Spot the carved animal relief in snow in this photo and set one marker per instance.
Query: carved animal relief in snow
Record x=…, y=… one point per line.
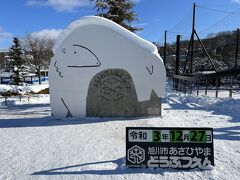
x=101, y=69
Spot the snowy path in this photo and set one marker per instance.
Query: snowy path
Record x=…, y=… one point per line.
x=36, y=146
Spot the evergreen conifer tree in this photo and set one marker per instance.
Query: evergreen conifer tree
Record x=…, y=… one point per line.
x=119, y=11
x=16, y=57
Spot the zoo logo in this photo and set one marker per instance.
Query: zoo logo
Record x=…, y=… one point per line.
x=136, y=155
x=112, y=88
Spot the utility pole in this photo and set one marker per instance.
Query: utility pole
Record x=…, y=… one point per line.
x=192, y=40
x=191, y=47
x=177, y=61
x=165, y=48
x=236, y=55
x=177, y=54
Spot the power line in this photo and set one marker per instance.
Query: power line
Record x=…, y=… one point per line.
x=231, y=13
x=181, y=20
x=202, y=32
x=183, y=33
x=220, y=5
x=216, y=10
x=175, y=32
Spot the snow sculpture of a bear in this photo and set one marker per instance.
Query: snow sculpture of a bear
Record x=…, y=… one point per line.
x=101, y=69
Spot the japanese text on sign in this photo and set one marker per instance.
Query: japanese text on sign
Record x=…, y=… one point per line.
x=169, y=147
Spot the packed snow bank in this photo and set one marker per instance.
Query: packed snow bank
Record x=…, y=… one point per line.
x=23, y=89
x=206, y=102
x=19, y=100
x=14, y=102
x=96, y=20
x=227, y=106
x=36, y=146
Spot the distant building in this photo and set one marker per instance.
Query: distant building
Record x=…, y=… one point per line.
x=28, y=73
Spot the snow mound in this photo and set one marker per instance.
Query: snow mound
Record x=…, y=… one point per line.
x=23, y=89
x=14, y=88
x=96, y=20
x=201, y=101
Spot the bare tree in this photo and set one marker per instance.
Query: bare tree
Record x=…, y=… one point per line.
x=39, y=52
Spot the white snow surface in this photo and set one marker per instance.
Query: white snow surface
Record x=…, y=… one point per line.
x=36, y=146
x=23, y=89
x=100, y=21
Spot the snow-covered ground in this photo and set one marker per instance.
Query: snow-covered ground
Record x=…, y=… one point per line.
x=26, y=88
x=221, y=93
x=35, y=146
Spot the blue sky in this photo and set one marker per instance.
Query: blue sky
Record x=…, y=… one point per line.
x=50, y=17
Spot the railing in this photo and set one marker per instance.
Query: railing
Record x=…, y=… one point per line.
x=228, y=80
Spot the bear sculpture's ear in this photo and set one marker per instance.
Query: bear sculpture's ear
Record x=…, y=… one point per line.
x=154, y=104
x=150, y=70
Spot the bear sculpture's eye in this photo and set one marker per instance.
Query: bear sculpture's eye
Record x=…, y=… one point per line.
x=63, y=50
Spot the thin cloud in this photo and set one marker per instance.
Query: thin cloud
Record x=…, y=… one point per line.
x=156, y=20
x=5, y=39
x=236, y=1
x=4, y=35
x=136, y=1
x=143, y=24
x=64, y=5
x=60, y=5
x=47, y=33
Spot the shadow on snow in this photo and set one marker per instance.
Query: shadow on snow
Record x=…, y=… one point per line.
x=47, y=120
x=121, y=169
x=217, y=108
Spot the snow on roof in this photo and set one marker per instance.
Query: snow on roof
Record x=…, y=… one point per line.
x=44, y=70
x=4, y=50
x=29, y=74
x=100, y=21
x=208, y=72
x=5, y=74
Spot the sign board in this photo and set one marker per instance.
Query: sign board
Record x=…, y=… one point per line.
x=180, y=148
